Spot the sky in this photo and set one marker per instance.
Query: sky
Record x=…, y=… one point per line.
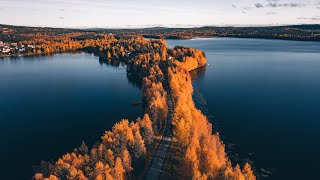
x=149, y=13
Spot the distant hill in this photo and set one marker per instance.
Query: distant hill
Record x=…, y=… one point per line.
x=305, y=32
x=306, y=27
x=302, y=26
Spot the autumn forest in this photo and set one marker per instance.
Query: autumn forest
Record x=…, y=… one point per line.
x=127, y=150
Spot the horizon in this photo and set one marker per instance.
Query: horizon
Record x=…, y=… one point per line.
x=129, y=27
x=129, y=14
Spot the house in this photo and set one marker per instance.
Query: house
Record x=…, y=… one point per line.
x=6, y=31
x=14, y=44
x=6, y=49
x=127, y=52
x=1, y=44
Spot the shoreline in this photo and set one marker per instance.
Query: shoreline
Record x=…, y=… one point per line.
x=192, y=39
x=42, y=54
x=235, y=37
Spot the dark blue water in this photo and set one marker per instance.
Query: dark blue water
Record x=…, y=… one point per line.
x=49, y=104
x=263, y=96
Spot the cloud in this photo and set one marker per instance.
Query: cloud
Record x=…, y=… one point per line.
x=246, y=8
x=259, y=5
x=271, y=13
x=276, y=4
x=315, y=18
x=243, y=12
x=61, y=17
x=292, y=5
x=234, y=6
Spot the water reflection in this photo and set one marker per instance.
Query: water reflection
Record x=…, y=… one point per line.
x=132, y=77
x=111, y=62
x=198, y=73
x=36, y=57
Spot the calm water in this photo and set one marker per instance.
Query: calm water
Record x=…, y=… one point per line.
x=263, y=96
x=49, y=104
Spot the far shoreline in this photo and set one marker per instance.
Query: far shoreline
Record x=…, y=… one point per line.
x=216, y=37
x=232, y=37
x=2, y=56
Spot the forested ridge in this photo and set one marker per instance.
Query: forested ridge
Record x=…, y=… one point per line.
x=126, y=149
x=20, y=40
x=304, y=32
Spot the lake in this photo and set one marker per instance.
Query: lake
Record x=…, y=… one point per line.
x=50, y=104
x=263, y=96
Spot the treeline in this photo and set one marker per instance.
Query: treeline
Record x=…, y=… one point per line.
x=295, y=32
x=36, y=41
x=16, y=34
x=147, y=68
x=44, y=44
